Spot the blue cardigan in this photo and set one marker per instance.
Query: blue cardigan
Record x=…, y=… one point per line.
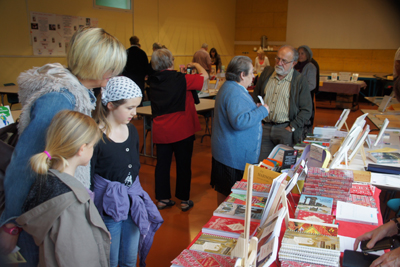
x=237, y=131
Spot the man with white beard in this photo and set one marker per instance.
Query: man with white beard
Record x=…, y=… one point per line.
x=286, y=93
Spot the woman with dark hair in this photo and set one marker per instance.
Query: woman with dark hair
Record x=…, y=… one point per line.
x=215, y=59
x=308, y=69
x=237, y=131
x=175, y=122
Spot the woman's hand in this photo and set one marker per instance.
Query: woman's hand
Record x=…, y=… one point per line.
x=388, y=229
x=390, y=259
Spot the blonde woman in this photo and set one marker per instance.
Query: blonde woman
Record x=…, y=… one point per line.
x=261, y=61
x=94, y=56
x=59, y=212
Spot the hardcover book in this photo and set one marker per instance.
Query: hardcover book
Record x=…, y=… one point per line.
x=228, y=227
x=231, y=210
x=192, y=258
x=241, y=200
x=213, y=244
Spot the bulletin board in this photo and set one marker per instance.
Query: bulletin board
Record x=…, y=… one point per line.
x=51, y=33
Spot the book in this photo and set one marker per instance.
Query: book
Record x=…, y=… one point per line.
x=367, y=201
x=241, y=200
x=192, y=258
x=362, y=189
x=317, y=204
x=261, y=190
x=300, y=146
x=355, y=213
x=228, y=227
x=286, y=263
x=314, y=228
x=271, y=228
x=268, y=253
x=384, y=157
x=261, y=175
x=213, y=244
x=289, y=159
x=230, y=210
x=383, y=169
x=5, y=116
x=335, y=174
x=315, y=217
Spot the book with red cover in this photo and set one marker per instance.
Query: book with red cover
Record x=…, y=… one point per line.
x=261, y=190
x=215, y=244
x=312, y=227
x=330, y=173
x=367, y=201
x=192, y=258
x=286, y=263
x=227, y=227
x=315, y=217
x=362, y=189
x=241, y=200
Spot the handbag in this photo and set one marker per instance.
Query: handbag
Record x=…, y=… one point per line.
x=8, y=140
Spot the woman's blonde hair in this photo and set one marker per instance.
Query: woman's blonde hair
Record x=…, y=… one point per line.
x=93, y=52
x=68, y=131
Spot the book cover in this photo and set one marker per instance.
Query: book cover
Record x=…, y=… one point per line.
x=355, y=213
x=286, y=263
x=260, y=175
x=312, y=242
x=315, y=217
x=221, y=245
x=366, y=201
x=317, y=204
x=312, y=227
x=335, y=174
x=228, y=227
x=362, y=189
x=240, y=199
x=231, y=210
x=5, y=116
x=268, y=252
x=192, y=258
x=385, y=157
x=261, y=190
x=289, y=159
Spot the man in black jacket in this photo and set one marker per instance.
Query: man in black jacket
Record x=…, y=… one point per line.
x=137, y=64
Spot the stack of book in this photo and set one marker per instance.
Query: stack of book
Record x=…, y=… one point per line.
x=260, y=190
x=311, y=243
x=317, y=139
x=333, y=183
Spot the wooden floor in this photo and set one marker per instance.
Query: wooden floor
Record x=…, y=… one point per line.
x=179, y=227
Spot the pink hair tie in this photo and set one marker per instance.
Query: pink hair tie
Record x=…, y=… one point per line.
x=48, y=154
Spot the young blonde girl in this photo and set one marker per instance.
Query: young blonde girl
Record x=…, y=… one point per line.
x=59, y=212
x=127, y=210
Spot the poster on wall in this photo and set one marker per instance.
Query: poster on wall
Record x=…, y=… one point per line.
x=50, y=33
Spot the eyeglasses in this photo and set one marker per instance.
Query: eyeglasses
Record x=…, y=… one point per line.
x=284, y=61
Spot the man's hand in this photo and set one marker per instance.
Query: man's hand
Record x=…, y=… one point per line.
x=7, y=241
x=390, y=259
x=288, y=128
x=388, y=229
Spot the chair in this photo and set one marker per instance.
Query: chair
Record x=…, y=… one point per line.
x=394, y=205
x=12, y=98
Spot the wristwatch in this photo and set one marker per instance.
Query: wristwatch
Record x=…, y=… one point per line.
x=12, y=231
x=397, y=224
x=292, y=128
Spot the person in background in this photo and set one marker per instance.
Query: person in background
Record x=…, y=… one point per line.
x=126, y=208
x=216, y=59
x=137, y=64
x=396, y=64
x=261, y=61
x=94, y=56
x=237, y=130
x=308, y=69
x=286, y=93
x=203, y=58
x=175, y=122
x=59, y=212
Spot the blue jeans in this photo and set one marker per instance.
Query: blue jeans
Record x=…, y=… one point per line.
x=124, y=242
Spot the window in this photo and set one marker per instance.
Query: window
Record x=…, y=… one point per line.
x=122, y=5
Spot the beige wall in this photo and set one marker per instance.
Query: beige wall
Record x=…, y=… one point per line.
x=181, y=25
x=255, y=18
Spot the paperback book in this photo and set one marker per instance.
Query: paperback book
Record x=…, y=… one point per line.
x=261, y=190
x=231, y=210
x=316, y=204
x=213, y=244
x=314, y=228
x=384, y=157
x=228, y=227
x=315, y=217
x=355, y=213
x=241, y=200
x=192, y=258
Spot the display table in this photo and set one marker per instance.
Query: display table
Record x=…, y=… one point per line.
x=377, y=118
x=12, y=89
x=346, y=88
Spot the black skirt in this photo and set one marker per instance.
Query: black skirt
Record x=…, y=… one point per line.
x=224, y=177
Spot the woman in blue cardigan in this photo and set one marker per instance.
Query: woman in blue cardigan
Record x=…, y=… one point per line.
x=237, y=130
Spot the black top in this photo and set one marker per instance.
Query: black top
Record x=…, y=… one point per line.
x=137, y=65
x=44, y=188
x=117, y=161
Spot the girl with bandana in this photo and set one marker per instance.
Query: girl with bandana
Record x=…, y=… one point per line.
x=127, y=210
